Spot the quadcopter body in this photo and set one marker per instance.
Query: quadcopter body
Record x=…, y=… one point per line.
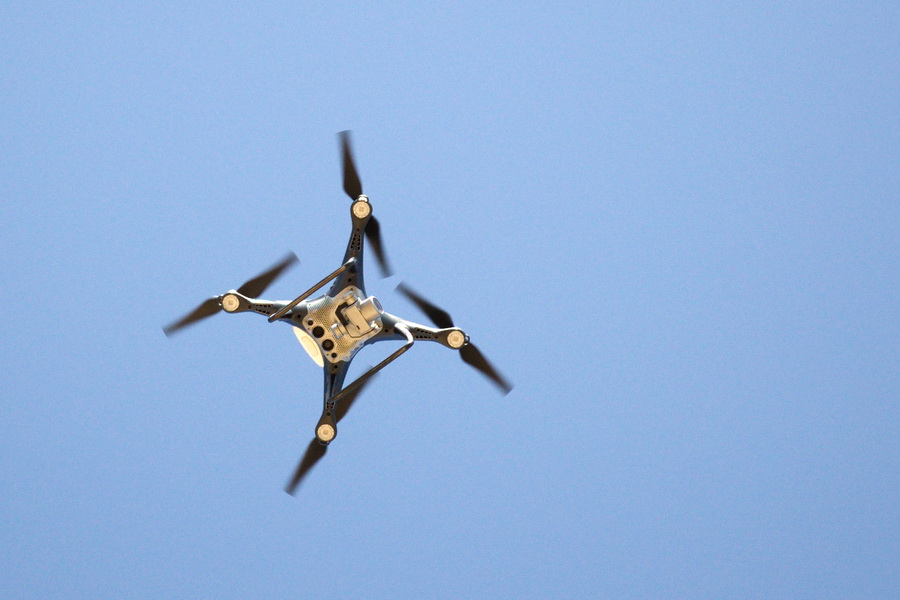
x=334, y=326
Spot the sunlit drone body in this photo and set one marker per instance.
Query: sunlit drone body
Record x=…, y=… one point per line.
x=334, y=327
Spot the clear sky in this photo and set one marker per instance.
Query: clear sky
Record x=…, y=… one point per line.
x=673, y=226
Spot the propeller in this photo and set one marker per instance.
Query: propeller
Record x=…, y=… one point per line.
x=253, y=288
x=352, y=185
x=473, y=356
x=353, y=188
x=207, y=309
x=256, y=286
x=316, y=450
x=373, y=232
x=470, y=354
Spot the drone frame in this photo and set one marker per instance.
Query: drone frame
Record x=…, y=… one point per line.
x=335, y=326
x=322, y=325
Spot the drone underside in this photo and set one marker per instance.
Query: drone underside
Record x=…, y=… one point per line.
x=335, y=326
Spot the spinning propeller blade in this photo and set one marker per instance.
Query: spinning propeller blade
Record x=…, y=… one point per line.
x=373, y=232
x=470, y=354
x=346, y=403
x=473, y=356
x=256, y=286
x=316, y=450
x=352, y=185
x=353, y=188
x=438, y=316
x=252, y=288
x=207, y=309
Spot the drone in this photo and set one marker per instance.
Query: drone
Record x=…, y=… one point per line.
x=333, y=327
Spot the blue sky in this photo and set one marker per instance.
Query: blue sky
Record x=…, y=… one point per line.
x=673, y=227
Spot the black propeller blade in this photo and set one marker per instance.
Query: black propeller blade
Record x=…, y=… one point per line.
x=473, y=356
x=253, y=288
x=256, y=286
x=438, y=316
x=316, y=450
x=470, y=354
x=346, y=403
x=353, y=188
x=373, y=232
x=207, y=309
x=352, y=185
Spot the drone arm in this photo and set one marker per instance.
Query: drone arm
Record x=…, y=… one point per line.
x=350, y=262
x=422, y=333
x=410, y=340
x=360, y=215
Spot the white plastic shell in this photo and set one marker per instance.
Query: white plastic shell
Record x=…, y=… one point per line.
x=310, y=345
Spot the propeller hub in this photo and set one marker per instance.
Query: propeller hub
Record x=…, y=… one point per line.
x=362, y=208
x=325, y=432
x=456, y=339
x=231, y=302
